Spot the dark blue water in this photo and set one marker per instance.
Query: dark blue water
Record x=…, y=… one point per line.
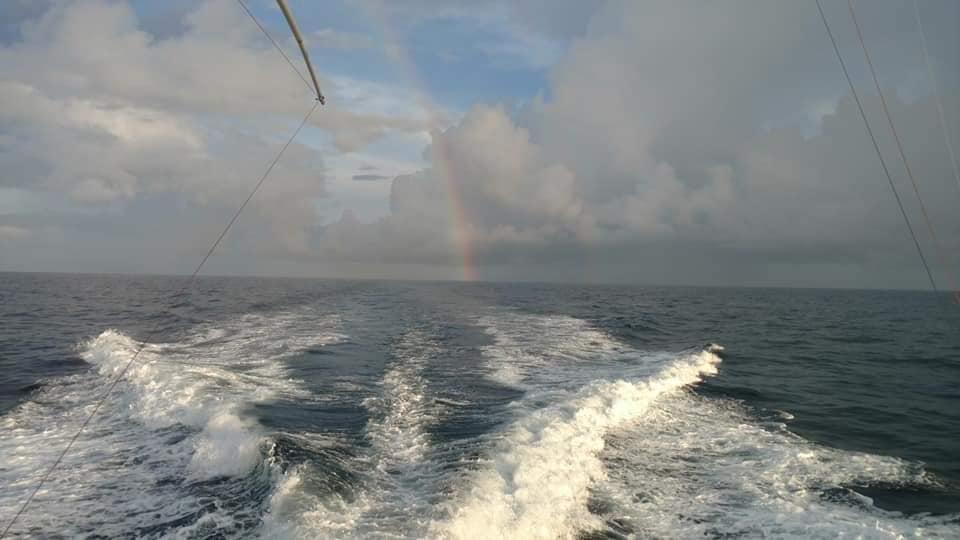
x=316, y=409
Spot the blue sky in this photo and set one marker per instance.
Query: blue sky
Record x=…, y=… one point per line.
x=461, y=59
x=458, y=60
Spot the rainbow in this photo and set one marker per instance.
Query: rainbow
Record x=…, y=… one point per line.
x=440, y=155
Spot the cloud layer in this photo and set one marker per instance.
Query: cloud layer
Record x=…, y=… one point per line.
x=94, y=107
x=651, y=151
x=675, y=143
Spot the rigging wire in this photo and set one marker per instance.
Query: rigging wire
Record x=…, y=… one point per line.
x=276, y=45
x=190, y=280
x=873, y=139
x=936, y=94
x=903, y=156
x=151, y=335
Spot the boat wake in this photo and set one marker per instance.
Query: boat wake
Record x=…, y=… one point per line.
x=537, y=482
x=172, y=451
x=584, y=436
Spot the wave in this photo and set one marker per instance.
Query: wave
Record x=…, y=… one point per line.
x=403, y=410
x=172, y=450
x=600, y=439
x=537, y=483
x=391, y=475
x=608, y=440
x=699, y=467
x=529, y=351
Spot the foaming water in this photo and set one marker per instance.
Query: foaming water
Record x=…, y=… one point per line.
x=400, y=415
x=171, y=451
x=393, y=471
x=480, y=411
x=694, y=467
x=543, y=349
x=537, y=482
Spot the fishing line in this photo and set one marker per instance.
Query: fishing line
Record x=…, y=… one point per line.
x=151, y=335
x=876, y=146
x=903, y=156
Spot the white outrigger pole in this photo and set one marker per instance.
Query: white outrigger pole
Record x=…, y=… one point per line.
x=303, y=50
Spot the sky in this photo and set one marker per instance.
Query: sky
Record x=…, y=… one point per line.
x=622, y=141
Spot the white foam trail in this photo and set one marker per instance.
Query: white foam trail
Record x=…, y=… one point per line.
x=297, y=514
x=391, y=494
x=696, y=467
x=228, y=446
x=537, y=483
x=401, y=413
x=544, y=348
x=174, y=420
x=160, y=393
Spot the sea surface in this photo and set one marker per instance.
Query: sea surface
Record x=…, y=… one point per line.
x=274, y=408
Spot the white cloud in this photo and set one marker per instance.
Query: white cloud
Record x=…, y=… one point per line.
x=651, y=156
x=219, y=65
x=94, y=107
x=650, y=143
x=519, y=35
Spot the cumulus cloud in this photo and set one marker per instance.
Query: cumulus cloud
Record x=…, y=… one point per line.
x=94, y=106
x=651, y=146
x=653, y=155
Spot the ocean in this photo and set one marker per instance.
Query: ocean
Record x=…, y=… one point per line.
x=282, y=408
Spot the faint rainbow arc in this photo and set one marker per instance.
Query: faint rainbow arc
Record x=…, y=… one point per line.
x=441, y=159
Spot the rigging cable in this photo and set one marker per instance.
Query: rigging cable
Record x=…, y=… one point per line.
x=883, y=163
x=903, y=156
x=151, y=335
x=113, y=383
x=936, y=94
